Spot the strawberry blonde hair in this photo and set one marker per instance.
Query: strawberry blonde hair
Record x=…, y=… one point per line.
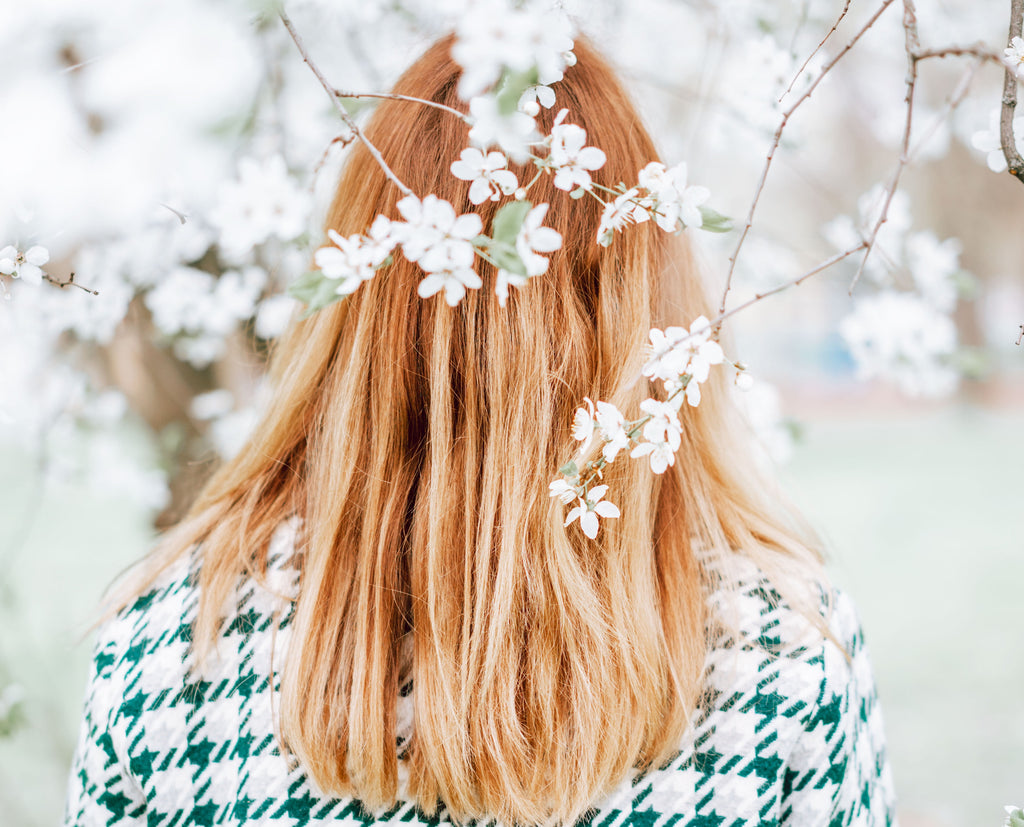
x=417, y=441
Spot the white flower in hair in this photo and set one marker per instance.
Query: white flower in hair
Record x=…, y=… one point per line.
x=664, y=425
x=590, y=509
x=661, y=454
x=571, y=158
x=612, y=424
x=532, y=240
x=534, y=97
x=583, y=425
x=561, y=489
x=453, y=282
x=488, y=173
x=434, y=237
x=668, y=200
x=617, y=214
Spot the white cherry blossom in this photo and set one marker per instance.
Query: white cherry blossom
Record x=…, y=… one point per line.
x=664, y=425
x=612, y=425
x=660, y=454
x=677, y=351
x=572, y=160
x=560, y=488
x=1013, y=56
x=617, y=214
x=590, y=509
x=27, y=266
x=667, y=198
x=489, y=174
x=454, y=283
x=434, y=237
x=532, y=240
x=583, y=425
x=534, y=97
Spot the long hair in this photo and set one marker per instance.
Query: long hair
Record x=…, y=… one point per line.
x=416, y=441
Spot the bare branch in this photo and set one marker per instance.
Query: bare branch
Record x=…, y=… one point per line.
x=776, y=139
x=911, y=45
x=818, y=48
x=342, y=111
x=978, y=50
x=392, y=96
x=1014, y=162
x=824, y=265
x=69, y=283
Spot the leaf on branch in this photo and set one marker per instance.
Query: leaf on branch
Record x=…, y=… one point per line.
x=508, y=221
x=314, y=290
x=511, y=88
x=714, y=221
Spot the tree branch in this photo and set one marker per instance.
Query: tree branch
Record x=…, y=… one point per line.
x=1014, y=162
x=342, y=111
x=818, y=48
x=777, y=138
x=392, y=96
x=911, y=46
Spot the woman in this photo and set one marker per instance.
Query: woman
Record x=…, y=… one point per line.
x=375, y=612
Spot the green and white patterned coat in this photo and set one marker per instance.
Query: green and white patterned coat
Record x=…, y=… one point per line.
x=789, y=733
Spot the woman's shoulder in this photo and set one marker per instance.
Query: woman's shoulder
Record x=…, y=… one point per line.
x=149, y=639
x=791, y=630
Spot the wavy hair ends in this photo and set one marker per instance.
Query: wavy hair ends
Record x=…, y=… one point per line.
x=418, y=440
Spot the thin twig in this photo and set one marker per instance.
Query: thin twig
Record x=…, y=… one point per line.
x=392, y=96
x=777, y=138
x=1014, y=162
x=69, y=283
x=911, y=47
x=342, y=111
x=824, y=265
x=818, y=48
x=978, y=50
x=1021, y=336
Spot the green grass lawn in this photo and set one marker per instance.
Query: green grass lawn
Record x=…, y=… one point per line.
x=923, y=517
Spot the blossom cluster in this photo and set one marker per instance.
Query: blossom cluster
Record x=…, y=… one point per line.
x=903, y=332
x=681, y=360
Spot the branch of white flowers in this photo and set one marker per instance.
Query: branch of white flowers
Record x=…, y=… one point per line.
x=340, y=107
x=1014, y=162
x=777, y=138
x=409, y=98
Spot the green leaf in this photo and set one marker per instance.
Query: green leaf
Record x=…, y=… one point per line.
x=569, y=469
x=508, y=221
x=314, y=290
x=579, y=192
x=507, y=258
x=715, y=222
x=511, y=88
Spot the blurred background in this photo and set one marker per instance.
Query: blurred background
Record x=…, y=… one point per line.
x=177, y=157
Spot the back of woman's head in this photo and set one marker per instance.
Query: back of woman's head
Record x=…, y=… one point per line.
x=417, y=441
